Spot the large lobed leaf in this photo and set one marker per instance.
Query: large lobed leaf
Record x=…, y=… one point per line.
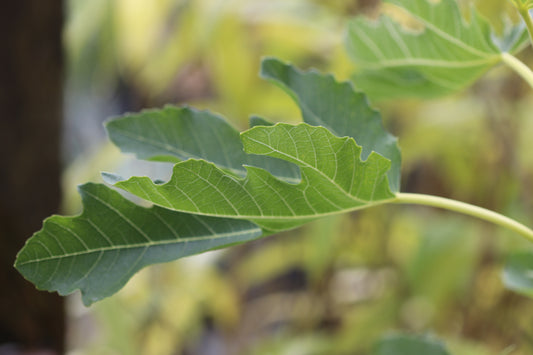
x=446, y=55
x=334, y=179
x=226, y=187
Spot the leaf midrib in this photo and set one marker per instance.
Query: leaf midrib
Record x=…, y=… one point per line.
x=425, y=62
x=140, y=245
x=447, y=37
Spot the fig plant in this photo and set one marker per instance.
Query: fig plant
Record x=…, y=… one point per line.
x=229, y=187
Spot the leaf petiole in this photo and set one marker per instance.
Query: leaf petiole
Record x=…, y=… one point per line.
x=465, y=208
x=519, y=67
x=523, y=10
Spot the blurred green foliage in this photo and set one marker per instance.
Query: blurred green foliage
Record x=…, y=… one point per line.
x=337, y=285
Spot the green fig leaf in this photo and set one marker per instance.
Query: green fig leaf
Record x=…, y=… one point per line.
x=334, y=180
x=445, y=56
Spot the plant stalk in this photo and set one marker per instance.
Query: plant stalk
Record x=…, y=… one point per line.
x=519, y=67
x=524, y=13
x=465, y=208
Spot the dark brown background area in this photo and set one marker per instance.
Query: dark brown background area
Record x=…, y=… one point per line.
x=31, y=66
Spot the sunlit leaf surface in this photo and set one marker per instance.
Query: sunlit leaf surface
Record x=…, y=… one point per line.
x=334, y=179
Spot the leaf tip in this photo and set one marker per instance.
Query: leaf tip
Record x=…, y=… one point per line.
x=111, y=178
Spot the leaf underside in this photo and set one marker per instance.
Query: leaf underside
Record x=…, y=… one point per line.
x=226, y=187
x=445, y=56
x=99, y=250
x=174, y=134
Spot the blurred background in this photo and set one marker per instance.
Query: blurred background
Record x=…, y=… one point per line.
x=335, y=286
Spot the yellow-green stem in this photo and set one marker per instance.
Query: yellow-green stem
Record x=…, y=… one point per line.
x=519, y=67
x=524, y=13
x=465, y=208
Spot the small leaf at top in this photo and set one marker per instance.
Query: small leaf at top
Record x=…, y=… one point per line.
x=338, y=107
x=259, y=121
x=101, y=249
x=445, y=56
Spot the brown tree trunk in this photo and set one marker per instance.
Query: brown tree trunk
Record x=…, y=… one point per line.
x=30, y=110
